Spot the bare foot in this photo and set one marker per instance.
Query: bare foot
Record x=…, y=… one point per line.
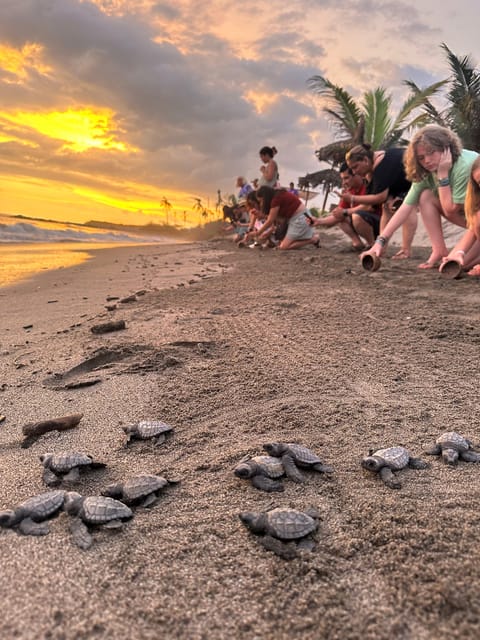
x=474, y=271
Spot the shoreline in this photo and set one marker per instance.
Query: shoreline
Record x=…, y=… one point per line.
x=234, y=349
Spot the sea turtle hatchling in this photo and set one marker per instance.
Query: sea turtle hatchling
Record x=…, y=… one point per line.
x=295, y=455
x=66, y=466
x=263, y=471
x=386, y=461
x=142, y=489
x=452, y=446
x=154, y=430
x=30, y=516
x=92, y=511
x=282, y=526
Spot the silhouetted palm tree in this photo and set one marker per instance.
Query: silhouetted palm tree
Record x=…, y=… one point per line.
x=369, y=120
x=166, y=206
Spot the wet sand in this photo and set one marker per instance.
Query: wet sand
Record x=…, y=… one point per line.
x=236, y=348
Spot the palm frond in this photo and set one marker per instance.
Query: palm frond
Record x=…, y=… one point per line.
x=340, y=107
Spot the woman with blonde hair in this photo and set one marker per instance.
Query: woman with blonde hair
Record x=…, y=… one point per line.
x=439, y=170
x=467, y=250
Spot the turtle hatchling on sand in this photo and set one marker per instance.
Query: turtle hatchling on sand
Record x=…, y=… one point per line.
x=263, y=471
x=29, y=517
x=295, y=455
x=155, y=430
x=66, y=466
x=386, y=461
x=93, y=511
x=143, y=489
x=452, y=446
x=280, y=527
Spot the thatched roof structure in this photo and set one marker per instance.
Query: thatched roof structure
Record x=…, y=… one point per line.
x=334, y=153
x=328, y=179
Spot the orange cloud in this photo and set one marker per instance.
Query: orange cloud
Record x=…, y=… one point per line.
x=261, y=101
x=19, y=62
x=80, y=129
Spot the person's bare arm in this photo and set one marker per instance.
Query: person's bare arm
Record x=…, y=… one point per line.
x=269, y=222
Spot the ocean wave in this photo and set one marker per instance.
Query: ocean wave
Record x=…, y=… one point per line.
x=25, y=233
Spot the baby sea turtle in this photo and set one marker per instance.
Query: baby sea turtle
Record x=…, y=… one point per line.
x=154, y=430
x=263, y=471
x=143, y=489
x=29, y=517
x=66, y=466
x=385, y=461
x=452, y=446
x=295, y=455
x=280, y=527
x=93, y=511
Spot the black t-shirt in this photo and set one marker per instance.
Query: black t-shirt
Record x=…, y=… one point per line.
x=390, y=174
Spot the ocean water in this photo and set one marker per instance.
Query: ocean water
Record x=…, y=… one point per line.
x=28, y=247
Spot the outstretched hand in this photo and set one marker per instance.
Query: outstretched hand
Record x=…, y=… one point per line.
x=375, y=250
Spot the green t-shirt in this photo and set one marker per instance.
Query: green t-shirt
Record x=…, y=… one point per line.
x=459, y=175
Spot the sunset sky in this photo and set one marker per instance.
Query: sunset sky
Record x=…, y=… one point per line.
x=110, y=107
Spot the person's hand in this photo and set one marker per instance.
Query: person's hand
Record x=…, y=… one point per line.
x=375, y=250
x=445, y=163
x=339, y=215
x=345, y=195
x=455, y=256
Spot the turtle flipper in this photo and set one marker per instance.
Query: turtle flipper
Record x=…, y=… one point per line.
x=72, y=476
x=160, y=439
x=30, y=528
x=267, y=484
x=389, y=478
x=470, y=456
x=113, y=524
x=80, y=534
x=291, y=469
x=306, y=544
x=149, y=500
x=284, y=550
x=416, y=463
x=434, y=451
x=323, y=468
x=50, y=478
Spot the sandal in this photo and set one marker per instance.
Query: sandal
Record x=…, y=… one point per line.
x=428, y=265
x=403, y=254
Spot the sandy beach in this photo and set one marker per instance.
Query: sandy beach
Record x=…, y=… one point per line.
x=236, y=348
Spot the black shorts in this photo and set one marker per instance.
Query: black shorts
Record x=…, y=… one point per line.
x=372, y=219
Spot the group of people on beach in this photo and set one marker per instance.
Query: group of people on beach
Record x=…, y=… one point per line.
x=268, y=215
x=382, y=190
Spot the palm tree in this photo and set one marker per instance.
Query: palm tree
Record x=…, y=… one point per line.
x=369, y=120
x=166, y=206
x=463, y=112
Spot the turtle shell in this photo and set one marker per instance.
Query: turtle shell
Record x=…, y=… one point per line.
x=393, y=457
x=100, y=510
x=302, y=456
x=65, y=462
x=289, y=524
x=42, y=506
x=140, y=486
x=151, y=429
x=453, y=440
x=264, y=465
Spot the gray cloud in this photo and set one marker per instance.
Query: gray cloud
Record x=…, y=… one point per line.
x=187, y=112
